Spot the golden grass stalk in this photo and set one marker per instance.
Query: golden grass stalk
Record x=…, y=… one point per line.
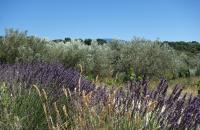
x=97, y=77
x=47, y=116
x=81, y=69
x=45, y=94
x=79, y=81
x=58, y=117
x=38, y=91
x=65, y=111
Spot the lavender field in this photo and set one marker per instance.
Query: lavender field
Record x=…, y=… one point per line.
x=39, y=95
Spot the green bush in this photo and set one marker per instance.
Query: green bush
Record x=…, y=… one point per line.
x=151, y=59
x=148, y=58
x=16, y=46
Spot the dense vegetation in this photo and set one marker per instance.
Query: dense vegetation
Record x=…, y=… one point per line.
x=96, y=84
x=192, y=47
x=136, y=59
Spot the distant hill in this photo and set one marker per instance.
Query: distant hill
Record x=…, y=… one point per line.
x=112, y=39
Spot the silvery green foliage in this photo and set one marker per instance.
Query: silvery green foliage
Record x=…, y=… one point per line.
x=150, y=58
x=18, y=46
x=97, y=60
x=94, y=59
x=188, y=65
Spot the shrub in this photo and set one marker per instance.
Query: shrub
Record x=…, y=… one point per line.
x=88, y=41
x=51, y=76
x=147, y=58
x=18, y=47
x=67, y=39
x=101, y=41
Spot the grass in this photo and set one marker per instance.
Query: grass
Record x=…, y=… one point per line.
x=33, y=109
x=20, y=111
x=189, y=83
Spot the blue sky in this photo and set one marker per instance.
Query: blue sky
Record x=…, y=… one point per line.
x=122, y=19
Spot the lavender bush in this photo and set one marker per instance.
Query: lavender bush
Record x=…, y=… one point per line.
x=50, y=76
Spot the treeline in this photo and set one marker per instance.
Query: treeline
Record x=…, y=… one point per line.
x=114, y=59
x=87, y=41
x=190, y=47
